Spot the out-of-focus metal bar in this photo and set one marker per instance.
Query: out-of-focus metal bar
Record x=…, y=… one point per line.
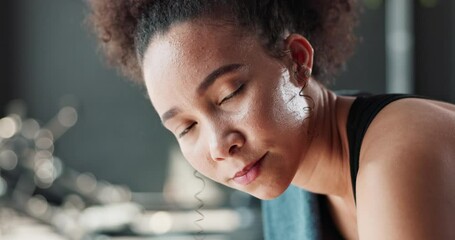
x=6, y=32
x=399, y=46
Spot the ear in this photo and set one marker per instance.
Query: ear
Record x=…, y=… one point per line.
x=301, y=53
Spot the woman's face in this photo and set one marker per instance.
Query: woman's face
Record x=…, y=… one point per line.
x=234, y=110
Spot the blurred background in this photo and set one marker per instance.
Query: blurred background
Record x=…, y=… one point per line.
x=84, y=156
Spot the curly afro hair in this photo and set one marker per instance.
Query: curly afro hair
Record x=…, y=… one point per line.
x=125, y=27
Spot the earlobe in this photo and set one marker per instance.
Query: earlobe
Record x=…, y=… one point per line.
x=306, y=72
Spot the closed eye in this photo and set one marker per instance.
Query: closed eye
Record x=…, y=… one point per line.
x=187, y=130
x=233, y=94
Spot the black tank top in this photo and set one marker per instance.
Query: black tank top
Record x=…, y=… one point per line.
x=362, y=112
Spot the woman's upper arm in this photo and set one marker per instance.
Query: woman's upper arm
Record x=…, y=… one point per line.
x=406, y=181
x=406, y=202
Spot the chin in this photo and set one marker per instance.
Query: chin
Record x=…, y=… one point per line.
x=265, y=193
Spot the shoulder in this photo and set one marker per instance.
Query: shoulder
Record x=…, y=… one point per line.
x=408, y=125
x=406, y=178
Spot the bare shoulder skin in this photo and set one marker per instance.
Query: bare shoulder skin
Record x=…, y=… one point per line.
x=406, y=179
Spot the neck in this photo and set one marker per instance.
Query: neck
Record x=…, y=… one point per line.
x=324, y=167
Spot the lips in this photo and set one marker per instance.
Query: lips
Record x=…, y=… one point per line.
x=249, y=173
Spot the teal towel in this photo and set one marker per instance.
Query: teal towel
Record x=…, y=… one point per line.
x=293, y=215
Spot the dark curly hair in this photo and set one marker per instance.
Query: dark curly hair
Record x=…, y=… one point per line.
x=125, y=27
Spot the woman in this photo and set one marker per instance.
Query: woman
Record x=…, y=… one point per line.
x=239, y=85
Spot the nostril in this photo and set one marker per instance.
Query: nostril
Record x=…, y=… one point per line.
x=222, y=147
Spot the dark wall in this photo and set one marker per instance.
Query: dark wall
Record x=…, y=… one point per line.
x=5, y=54
x=118, y=135
x=366, y=71
x=434, y=50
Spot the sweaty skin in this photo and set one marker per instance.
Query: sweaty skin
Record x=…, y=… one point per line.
x=265, y=116
x=249, y=109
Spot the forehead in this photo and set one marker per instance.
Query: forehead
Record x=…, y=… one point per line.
x=179, y=59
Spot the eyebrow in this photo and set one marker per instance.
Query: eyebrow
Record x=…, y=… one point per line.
x=212, y=77
x=169, y=114
x=203, y=86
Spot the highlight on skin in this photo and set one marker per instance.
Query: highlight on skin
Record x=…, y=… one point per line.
x=182, y=67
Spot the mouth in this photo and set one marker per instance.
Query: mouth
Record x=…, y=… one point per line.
x=249, y=173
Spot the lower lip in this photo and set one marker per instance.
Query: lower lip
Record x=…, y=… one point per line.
x=250, y=176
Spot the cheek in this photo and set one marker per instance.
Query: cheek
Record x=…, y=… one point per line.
x=196, y=155
x=290, y=107
x=278, y=107
x=192, y=155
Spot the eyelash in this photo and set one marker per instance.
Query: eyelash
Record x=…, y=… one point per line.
x=228, y=97
x=184, y=132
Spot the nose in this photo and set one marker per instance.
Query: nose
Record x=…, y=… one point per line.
x=226, y=145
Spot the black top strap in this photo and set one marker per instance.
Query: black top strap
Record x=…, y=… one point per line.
x=361, y=114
